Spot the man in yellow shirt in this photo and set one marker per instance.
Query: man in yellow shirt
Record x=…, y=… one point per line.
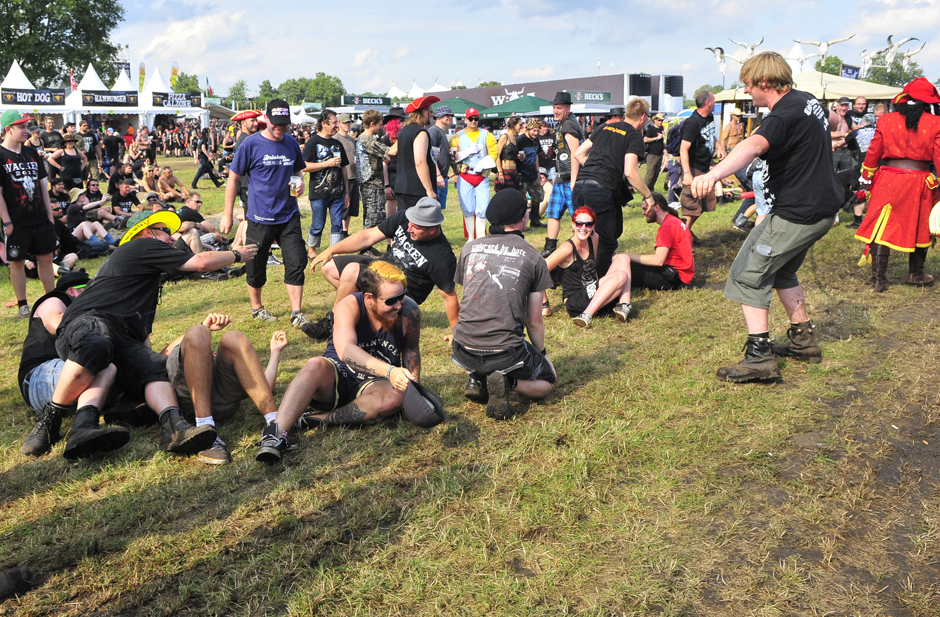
x=475, y=155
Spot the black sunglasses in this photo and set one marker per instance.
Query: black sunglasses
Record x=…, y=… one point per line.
x=197, y=201
x=473, y=119
x=584, y=223
x=165, y=230
x=393, y=300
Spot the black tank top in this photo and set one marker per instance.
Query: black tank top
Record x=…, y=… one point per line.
x=581, y=274
x=510, y=151
x=71, y=165
x=408, y=182
x=381, y=344
x=39, y=345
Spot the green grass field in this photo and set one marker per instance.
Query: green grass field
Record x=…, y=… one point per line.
x=641, y=486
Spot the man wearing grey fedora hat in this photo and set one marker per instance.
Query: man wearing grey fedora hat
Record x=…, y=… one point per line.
x=419, y=248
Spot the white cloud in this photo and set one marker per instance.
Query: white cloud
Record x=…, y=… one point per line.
x=402, y=52
x=364, y=57
x=542, y=72
x=376, y=84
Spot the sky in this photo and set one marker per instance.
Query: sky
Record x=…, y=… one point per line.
x=368, y=45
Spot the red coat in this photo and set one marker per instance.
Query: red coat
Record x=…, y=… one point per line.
x=901, y=199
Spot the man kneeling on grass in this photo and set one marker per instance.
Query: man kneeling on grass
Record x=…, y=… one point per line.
x=365, y=370
x=211, y=386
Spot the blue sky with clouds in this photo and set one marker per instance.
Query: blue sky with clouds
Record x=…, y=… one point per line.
x=369, y=45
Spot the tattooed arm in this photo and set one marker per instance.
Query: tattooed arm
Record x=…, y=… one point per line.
x=411, y=325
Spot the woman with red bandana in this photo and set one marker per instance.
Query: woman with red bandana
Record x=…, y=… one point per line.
x=903, y=189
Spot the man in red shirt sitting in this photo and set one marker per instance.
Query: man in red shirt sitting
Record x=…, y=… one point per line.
x=672, y=265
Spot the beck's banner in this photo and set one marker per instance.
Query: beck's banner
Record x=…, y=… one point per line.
x=109, y=98
x=172, y=99
x=19, y=96
x=358, y=99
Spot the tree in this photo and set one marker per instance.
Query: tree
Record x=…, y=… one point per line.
x=266, y=92
x=460, y=87
x=486, y=84
x=325, y=89
x=238, y=94
x=703, y=88
x=294, y=90
x=49, y=38
x=187, y=83
x=832, y=66
x=895, y=75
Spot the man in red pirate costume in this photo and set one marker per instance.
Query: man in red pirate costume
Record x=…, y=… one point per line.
x=903, y=190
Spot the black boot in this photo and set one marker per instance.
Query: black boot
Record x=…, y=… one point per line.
x=13, y=580
x=856, y=221
x=87, y=438
x=759, y=363
x=879, y=267
x=476, y=389
x=46, y=432
x=180, y=436
x=915, y=264
x=550, y=246
x=801, y=343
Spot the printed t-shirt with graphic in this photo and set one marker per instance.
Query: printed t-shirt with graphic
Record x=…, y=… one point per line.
x=497, y=273
x=426, y=263
x=51, y=140
x=801, y=184
x=326, y=183
x=610, y=144
x=87, y=142
x=370, y=152
x=675, y=236
x=127, y=203
x=269, y=164
x=126, y=288
x=563, y=154
x=20, y=176
x=546, y=150
x=700, y=132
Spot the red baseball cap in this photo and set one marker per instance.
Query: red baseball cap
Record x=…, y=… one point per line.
x=420, y=103
x=471, y=113
x=920, y=90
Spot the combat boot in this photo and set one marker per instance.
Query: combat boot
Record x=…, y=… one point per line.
x=759, y=363
x=801, y=343
x=180, y=436
x=86, y=437
x=46, y=432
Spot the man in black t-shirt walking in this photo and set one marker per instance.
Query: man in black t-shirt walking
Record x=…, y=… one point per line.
x=25, y=208
x=615, y=150
x=804, y=195
x=699, y=144
x=655, y=138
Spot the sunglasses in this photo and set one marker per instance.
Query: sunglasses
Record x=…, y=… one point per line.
x=165, y=230
x=584, y=223
x=393, y=300
x=473, y=119
x=196, y=201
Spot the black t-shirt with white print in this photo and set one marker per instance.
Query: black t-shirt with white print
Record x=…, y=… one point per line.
x=700, y=132
x=20, y=181
x=326, y=183
x=426, y=264
x=802, y=186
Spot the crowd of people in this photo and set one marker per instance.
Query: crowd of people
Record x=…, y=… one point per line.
x=82, y=343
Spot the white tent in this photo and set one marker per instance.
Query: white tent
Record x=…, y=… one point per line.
x=298, y=115
x=158, y=85
x=396, y=92
x=437, y=87
x=416, y=91
x=115, y=114
x=123, y=83
x=16, y=80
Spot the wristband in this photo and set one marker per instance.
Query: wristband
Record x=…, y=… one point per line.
x=238, y=256
x=388, y=186
x=544, y=350
x=687, y=173
x=388, y=375
x=8, y=223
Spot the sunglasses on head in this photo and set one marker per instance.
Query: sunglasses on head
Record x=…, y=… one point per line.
x=393, y=300
x=584, y=223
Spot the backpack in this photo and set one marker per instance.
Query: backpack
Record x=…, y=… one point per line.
x=674, y=141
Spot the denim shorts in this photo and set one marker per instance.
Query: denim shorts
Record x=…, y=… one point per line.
x=42, y=381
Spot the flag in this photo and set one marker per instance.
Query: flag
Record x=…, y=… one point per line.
x=851, y=72
x=208, y=87
x=174, y=72
x=72, y=80
x=143, y=75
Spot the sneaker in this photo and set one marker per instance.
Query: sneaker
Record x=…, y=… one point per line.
x=739, y=223
x=759, y=364
x=582, y=321
x=274, y=261
x=622, y=311
x=262, y=314
x=298, y=319
x=476, y=390
x=216, y=455
x=308, y=421
x=272, y=445
x=235, y=272
x=214, y=276
x=499, y=407
x=24, y=312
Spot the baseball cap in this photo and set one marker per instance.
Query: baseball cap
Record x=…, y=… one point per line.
x=278, y=112
x=443, y=110
x=143, y=220
x=344, y=118
x=543, y=172
x=425, y=213
x=845, y=101
x=421, y=406
x=472, y=113
x=110, y=131
x=153, y=197
x=11, y=117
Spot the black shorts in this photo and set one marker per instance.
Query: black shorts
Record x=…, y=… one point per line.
x=523, y=363
x=346, y=388
x=662, y=278
x=342, y=261
x=291, y=240
x=95, y=342
x=578, y=302
x=353, y=198
x=30, y=240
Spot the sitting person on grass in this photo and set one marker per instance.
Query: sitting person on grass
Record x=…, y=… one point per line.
x=371, y=358
x=672, y=266
x=584, y=294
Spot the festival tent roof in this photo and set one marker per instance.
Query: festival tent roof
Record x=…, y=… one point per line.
x=91, y=81
x=123, y=83
x=416, y=91
x=519, y=106
x=437, y=87
x=16, y=78
x=156, y=83
x=298, y=115
x=460, y=106
x=396, y=92
x=824, y=87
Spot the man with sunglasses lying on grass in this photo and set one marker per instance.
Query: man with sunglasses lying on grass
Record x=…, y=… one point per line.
x=366, y=368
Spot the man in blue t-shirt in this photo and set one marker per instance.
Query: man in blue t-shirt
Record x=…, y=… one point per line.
x=268, y=159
